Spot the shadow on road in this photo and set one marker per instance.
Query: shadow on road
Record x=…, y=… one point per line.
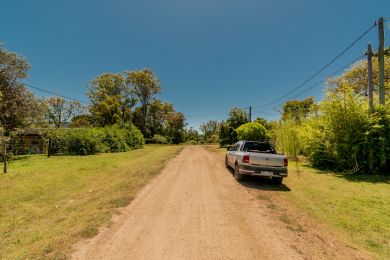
x=262, y=183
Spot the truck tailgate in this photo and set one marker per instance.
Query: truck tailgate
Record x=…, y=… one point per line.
x=266, y=159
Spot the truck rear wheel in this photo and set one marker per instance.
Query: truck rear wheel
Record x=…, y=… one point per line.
x=277, y=180
x=226, y=162
x=237, y=174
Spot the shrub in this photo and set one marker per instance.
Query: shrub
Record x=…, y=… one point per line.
x=159, y=139
x=134, y=137
x=115, y=139
x=84, y=141
x=252, y=131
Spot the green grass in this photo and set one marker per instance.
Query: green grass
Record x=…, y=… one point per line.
x=47, y=204
x=356, y=206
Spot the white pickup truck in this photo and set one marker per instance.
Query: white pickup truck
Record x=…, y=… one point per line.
x=256, y=158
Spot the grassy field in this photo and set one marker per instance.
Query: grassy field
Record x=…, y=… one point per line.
x=47, y=204
x=357, y=206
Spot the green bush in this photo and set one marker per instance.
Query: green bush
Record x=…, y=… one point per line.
x=134, y=137
x=342, y=135
x=252, y=131
x=115, y=139
x=84, y=141
x=56, y=140
x=159, y=139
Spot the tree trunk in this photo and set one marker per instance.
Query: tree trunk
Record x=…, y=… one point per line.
x=143, y=125
x=123, y=117
x=48, y=148
x=5, y=158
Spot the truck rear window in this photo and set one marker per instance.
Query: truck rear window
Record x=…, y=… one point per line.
x=258, y=147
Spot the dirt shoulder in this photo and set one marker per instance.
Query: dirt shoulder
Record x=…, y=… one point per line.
x=196, y=210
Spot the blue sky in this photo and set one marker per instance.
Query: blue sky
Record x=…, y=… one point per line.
x=210, y=55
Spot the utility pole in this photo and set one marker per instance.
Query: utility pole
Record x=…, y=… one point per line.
x=381, y=62
x=250, y=114
x=370, y=89
x=370, y=85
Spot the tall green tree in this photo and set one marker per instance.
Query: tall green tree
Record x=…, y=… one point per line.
x=357, y=77
x=191, y=135
x=298, y=110
x=18, y=106
x=111, y=97
x=162, y=119
x=60, y=111
x=158, y=116
x=175, y=127
x=227, y=133
x=145, y=86
x=210, y=131
x=237, y=117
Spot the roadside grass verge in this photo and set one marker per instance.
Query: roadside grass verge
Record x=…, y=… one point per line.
x=358, y=206
x=47, y=204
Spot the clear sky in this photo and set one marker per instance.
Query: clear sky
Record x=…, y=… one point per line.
x=210, y=55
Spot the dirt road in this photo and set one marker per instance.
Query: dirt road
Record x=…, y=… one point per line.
x=196, y=210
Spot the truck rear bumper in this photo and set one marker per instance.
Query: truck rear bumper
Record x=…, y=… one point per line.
x=257, y=170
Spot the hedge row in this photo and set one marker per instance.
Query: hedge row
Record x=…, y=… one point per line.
x=84, y=141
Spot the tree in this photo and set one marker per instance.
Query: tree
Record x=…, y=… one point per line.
x=163, y=120
x=264, y=123
x=357, y=77
x=191, y=135
x=60, y=111
x=175, y=127
x=227, y=133
x=144, y=85
x=298, y=109
x=158, y=116
x=210, y=131
x=252, y=131
x=237, y=117
x=111, y=97
x=83, y=120
x=18, y=106
x=4, y=142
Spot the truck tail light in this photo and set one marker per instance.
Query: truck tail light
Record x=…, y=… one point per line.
x=285, y=161
x=245, y=159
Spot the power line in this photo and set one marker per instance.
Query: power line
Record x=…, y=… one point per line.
x=321, y=81
x=322, y=68
x=53, y=93
x=318, y=83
